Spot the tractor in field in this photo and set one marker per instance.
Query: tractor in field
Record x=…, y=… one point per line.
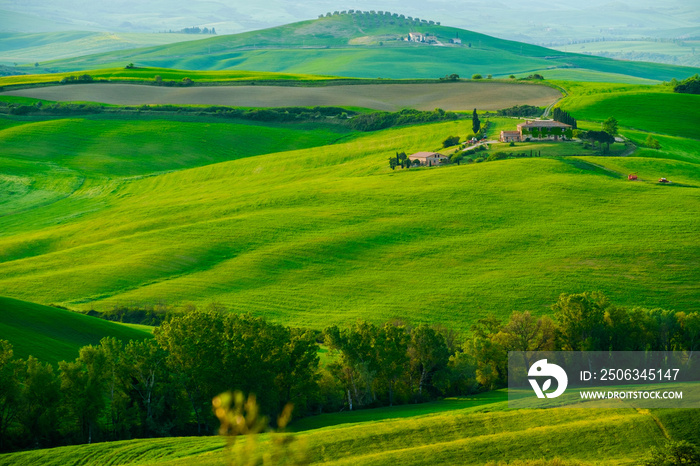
x=632, y=176
x=663, y=180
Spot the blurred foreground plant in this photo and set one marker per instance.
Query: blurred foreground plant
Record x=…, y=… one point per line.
x=240, y=416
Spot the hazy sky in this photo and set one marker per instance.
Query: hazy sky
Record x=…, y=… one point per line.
x=497, y=17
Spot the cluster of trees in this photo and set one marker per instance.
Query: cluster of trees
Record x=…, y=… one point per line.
x=451, y=78
x=400, y=159
x=381, y=120
x=153, y=315
x=164, y=386
x=158, y=81
x=196, y=30
x=388, y=364
x=601, y=137
x=521, y=111
x=392, y=18
x=159, y=387
x=564, y=117
x=450, y=141
x=689, y=85
x=606, y=136
x=533, y=77
x=83, y=78
x=581, y=322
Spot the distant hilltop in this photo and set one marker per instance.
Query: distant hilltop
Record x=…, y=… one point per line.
x=384, y=16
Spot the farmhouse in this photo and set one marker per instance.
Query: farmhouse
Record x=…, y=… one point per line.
x=542, y=129
x=428, y=158
x=416, y=37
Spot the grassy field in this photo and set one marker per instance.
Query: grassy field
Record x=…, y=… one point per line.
x=473, y=435
x=655, y=109
x=124, y=145
x=342, y=46
x=326, y=234
x=37, y=47
x=391, y=97
x=52, y=334
x=671, y=52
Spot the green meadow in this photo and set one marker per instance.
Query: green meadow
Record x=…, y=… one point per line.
x=116, y=146
x=485, y=432
x=655, y=109
x=155, y=209
x=51, y=334
x=37, y=47
x=669, y=51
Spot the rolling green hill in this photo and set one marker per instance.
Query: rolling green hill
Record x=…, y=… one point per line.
x=37, y=47
x=329, y=234
x=472, y=436
x=371, y=46
x=51, y=334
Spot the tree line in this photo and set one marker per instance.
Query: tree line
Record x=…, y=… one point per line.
x=360, y=122
x=564, y=117
x=387, y=16
x=380, y=120
x=155, y=388
x=522, y=111
x=195, y=30
x=164, y=386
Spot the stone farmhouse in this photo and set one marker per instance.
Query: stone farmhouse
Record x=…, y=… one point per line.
x=540, y=130
x=416, y=37
x=428, y=159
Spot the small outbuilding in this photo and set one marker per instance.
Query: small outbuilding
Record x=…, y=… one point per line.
x=510, y=136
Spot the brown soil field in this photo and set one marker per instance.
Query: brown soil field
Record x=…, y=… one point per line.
x=390, y=97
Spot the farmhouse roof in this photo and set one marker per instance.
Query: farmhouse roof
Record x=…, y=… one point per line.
x=425, y=155
x=543, y=124
x=510, y=133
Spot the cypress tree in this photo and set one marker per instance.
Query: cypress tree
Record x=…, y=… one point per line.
x=476, y=124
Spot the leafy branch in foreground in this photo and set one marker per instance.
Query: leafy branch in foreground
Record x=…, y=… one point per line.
x=240, y=417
